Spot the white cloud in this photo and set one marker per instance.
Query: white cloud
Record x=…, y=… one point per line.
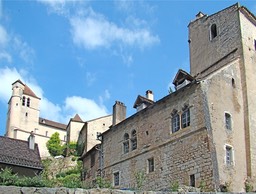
x=4, y=56
x=86, y=108
x=3, y=36
x=95, y=31
x=90, y=78
x=25, y=52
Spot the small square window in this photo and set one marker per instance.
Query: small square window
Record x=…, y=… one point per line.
x=116, y=178
x=151, y=166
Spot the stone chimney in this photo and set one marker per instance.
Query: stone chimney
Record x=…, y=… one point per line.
x=31, y=141
x=119, y=112
x=149, y=95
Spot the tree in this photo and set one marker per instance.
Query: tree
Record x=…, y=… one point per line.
x=54, y=145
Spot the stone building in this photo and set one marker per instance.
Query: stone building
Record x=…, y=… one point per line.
x=23, y=117
x=203, y=134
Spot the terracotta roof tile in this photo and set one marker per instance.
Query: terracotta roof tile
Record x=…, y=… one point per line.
x=17, y=152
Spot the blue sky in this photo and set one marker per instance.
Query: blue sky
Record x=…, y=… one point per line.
x=82, y=56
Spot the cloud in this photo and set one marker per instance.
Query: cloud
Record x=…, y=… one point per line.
x=86, y=108
x=3, y=36
x=90, y=78
x=95, y=31
x=26, y=53
x=4, y=56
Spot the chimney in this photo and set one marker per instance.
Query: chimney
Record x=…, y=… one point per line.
x=31, y=141
x=199, y=15
x=149, y=95
x=119, y=112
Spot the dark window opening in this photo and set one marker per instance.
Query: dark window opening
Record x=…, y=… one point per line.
x=192, y=180
x=28, y=102
x=254, y=44
x=23, y=100
x=228, y=121
x=151, y=166
x=92, y=159
x=134, y=140
x=229, y=155
x=213, y=31
x=26, y=114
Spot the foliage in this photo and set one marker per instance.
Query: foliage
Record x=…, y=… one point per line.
x=102, y=183
x=70, y=181
x=225, y=187
x=175, y=186
x=202, y=186
x=54, y=145
x=140, y=178
x=248, y=185
x=7, y=177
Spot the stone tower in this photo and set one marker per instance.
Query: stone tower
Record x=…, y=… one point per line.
x=223, y=52
x=23, y=111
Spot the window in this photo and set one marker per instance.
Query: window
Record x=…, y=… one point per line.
x=116, y=178
x=23, y=100
x=254, y=44
x=229, y=155
x=185, y=118
x=134, y=140
x=28, y=102
x=65, y=138
x=175, y=123
x=192, y=180
x=46, y=133
x=213, y=32
x=26, y=114
x=228, y=122
x=126, y=143
x=151, y=165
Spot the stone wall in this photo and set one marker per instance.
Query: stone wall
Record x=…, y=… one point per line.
x=43, y=190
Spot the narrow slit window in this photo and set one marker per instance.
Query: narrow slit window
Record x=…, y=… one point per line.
x=151, y=166
x=23, y=100
x=229, y=155
x=213, y=31
x=116, y=179
x=228, y=121
x=28, y=102
x=134, y=140
x=126, y=143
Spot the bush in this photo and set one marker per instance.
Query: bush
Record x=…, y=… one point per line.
x=54, y=145
x=71, y=181
x=7, y=177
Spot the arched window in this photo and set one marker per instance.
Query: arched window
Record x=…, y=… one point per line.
x=28, y=102
x=213, y=31
x=126, y=143
x=23, y=100
x=134, y=140
x=175, y=121
x=185, y=117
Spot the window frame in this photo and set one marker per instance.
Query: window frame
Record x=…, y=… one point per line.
x=229, y=155
x=213, y=31
x=175, y=122
x=28, y=102
x=185, y=118
x=151, y=165
x=126, y=146
x=23, y=101
x=134, y=140
x=116, y=178
x=228, y=121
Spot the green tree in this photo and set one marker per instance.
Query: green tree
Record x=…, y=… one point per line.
x=54, y=145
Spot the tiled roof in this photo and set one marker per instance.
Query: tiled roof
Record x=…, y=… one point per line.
x=140, y=99
x=27, y=90
x=47, y=122
x=77, y=118
x=16, y=152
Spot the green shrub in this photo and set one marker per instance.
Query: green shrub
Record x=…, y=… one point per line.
x=102, y=183
x=71, y=181
x=7, y=177
x=175, y=186
x=54, y=145
x=140, y=178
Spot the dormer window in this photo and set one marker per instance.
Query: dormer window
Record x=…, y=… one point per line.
x=213, y=31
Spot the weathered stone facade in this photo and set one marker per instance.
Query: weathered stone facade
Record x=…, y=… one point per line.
x=203, y=133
